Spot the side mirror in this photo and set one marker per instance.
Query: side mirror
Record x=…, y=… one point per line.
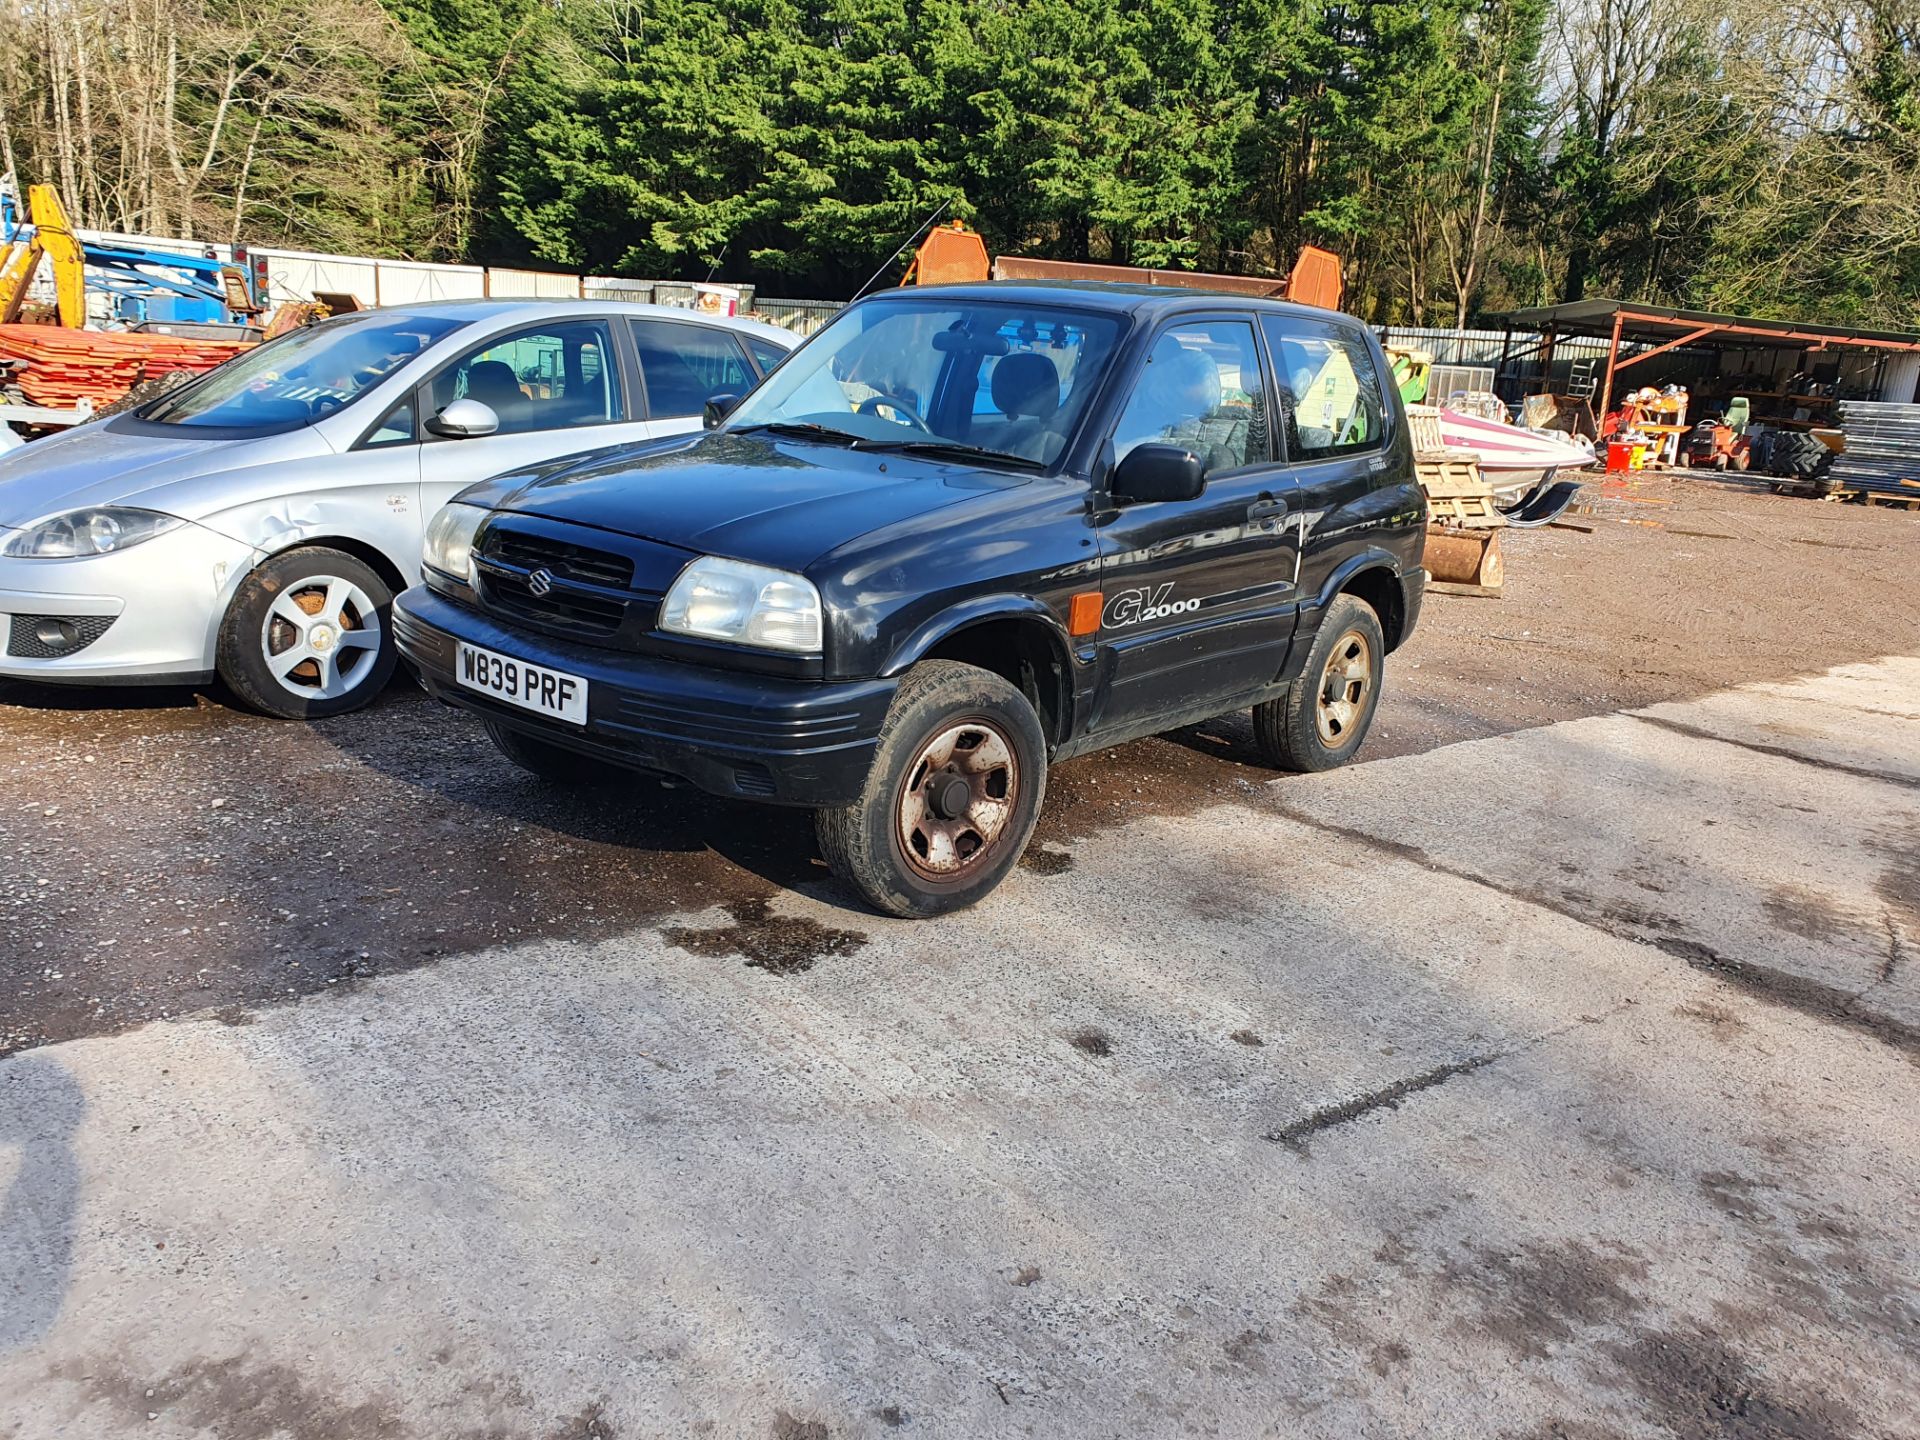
x=464, y=419
x=1158, y=472
x=717, y=408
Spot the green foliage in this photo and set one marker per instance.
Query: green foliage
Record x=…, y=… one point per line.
x=1461, y=155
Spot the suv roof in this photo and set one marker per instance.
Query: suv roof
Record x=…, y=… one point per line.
x=1118, y=297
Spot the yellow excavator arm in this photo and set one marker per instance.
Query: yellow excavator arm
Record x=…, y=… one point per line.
x=53, y=237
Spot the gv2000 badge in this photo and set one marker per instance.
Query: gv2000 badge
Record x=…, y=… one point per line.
x=1133, y=607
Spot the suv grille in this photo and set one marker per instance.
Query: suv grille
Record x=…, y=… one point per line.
x=573, y=562
x=587, y=590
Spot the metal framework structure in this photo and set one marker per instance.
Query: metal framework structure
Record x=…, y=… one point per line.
x=1664, y=329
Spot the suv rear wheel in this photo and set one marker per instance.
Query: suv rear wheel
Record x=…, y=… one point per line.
x=1321, y=719
x=951, y=798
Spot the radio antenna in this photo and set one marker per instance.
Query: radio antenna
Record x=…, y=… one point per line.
x=932, y=220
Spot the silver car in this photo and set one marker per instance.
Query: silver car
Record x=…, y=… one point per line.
x=257, y=522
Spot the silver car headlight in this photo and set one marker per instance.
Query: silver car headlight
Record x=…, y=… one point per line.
x=717, y=599
x=448, y=547
x=95, y=531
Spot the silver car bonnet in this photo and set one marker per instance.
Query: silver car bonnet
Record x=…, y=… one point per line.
x=179, y=474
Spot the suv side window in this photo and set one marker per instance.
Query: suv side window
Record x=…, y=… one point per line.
x=1201, y=388
x=548, y=379
x=686, y=365
x=1330, y=398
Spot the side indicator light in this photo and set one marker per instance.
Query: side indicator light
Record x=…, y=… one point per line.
x=1083, y=616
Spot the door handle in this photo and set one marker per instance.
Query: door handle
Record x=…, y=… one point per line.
x=1266, y=514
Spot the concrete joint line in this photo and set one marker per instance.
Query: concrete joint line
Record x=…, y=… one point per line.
x=1778, y=752
x=1390, y=1097
x=1812, y=998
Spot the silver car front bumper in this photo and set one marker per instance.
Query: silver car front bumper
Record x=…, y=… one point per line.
x=161, y=602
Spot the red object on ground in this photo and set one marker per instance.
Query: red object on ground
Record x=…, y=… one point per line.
x=64, y=367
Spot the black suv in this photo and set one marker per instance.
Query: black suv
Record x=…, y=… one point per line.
x=960, y=534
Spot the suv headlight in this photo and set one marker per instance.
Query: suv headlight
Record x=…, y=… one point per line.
x=96, y=531
x=719, y=599
x=448, y=547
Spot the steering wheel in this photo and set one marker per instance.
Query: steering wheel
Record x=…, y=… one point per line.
x=908, y=416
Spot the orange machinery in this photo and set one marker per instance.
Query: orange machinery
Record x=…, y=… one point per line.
x=955, y=254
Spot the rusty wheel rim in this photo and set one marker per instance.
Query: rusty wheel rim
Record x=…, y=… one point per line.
x=1342, y=699
x=958, y=799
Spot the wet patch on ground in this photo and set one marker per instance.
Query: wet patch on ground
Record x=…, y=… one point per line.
x=778, y=944
x=1091, y=1041
x=1719, y=1021
x=1537, y=1296
x=1805, y=912
x=1692, y=1383
x=1046, y=860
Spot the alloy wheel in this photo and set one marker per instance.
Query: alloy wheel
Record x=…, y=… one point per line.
x=321, y=637
x=1341, y=702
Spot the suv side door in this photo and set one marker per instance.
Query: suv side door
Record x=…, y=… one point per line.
x=1199, y=595
x=1333, y=424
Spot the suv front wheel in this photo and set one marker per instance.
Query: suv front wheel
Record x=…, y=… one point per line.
x=1319, y=721
x=951, y=798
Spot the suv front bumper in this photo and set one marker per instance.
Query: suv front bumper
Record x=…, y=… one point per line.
x=750, y=737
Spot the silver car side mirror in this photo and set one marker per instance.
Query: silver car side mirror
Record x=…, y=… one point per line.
x=464, y=419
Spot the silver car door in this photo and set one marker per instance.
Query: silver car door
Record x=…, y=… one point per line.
x=556, y=388
x=683, y=364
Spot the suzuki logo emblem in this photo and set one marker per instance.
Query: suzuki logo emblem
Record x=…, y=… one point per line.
x=540, y=582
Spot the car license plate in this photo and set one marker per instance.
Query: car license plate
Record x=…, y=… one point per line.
x=531, y=687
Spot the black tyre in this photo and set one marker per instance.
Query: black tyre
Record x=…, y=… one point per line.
x=1322, y=718
x=308, y=635
x=1796, y=454
x=956, y=784
x=553, y=763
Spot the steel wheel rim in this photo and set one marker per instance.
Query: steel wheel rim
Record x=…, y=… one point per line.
x=1341, y=700
x=321, y=637
x=938, y=844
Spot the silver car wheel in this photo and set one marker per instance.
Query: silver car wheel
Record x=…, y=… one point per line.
x=321, y=637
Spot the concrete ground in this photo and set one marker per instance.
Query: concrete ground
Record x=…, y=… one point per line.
x=1556, y=1084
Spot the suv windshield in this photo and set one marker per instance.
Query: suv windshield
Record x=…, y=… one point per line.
x=304, y=374
x=972, y=373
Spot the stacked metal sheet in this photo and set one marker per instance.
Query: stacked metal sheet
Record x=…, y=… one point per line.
x=62, y=367
x=1883, y=449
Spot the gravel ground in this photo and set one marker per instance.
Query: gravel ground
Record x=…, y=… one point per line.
x=163, y=853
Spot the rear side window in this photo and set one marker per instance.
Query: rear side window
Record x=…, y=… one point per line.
x=766, y=354
x=685, y=365
x=1329, y=391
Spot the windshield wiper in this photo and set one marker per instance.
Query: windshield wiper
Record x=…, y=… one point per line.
x=801, y=430
x=952, y=450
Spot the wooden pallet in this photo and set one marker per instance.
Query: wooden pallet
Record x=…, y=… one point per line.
x=1456, y=493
